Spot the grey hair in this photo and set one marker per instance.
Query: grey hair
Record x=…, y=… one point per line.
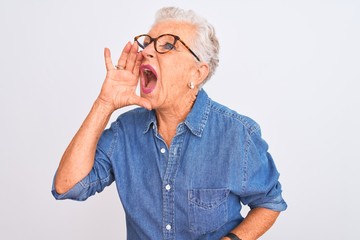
x=205, y=45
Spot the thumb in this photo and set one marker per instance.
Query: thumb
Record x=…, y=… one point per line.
x=143, y=102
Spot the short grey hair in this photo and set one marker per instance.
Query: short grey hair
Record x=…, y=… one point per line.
x=205, y=45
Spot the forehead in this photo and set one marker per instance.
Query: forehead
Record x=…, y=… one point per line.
x=185, y=31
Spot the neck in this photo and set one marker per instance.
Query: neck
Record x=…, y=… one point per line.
x=170, y=117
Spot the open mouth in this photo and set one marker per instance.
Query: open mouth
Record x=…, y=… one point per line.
x=148, y=78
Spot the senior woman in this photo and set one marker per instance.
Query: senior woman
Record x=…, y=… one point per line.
x=182, y=163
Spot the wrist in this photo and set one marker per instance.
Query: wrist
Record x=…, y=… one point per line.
x=103, y=106
x=231, y=236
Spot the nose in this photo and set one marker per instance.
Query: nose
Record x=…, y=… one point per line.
x=149, y=51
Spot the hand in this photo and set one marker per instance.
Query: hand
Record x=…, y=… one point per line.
x=119, y=87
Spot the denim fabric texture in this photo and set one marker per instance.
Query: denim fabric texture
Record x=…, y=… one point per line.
x=192, y=189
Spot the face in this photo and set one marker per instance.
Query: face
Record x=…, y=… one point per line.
x=164, y=77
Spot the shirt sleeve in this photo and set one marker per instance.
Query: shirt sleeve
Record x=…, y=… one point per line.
x=261, y=186
x=101, y=174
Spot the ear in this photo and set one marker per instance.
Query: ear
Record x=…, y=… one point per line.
x=201, y=73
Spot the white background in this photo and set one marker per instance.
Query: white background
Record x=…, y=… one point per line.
x=293, y=66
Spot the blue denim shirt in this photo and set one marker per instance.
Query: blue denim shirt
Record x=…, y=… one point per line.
x=192, y=189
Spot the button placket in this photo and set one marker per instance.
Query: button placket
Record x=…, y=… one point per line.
x=168, y=186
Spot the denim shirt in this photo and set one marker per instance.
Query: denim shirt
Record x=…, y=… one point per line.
x=192, y=189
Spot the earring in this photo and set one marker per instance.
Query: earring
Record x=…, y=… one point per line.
x=191, y=85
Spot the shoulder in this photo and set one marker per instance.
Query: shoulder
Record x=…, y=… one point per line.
x=132, y=119
x=229, y=115
x=133, y=114
x=129, y=123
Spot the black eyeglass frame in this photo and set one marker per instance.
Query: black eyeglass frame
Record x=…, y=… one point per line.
x=176, y=38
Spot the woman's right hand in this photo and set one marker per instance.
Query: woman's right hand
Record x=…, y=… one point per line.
x=118, y=89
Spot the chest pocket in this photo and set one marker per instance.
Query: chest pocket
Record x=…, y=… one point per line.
x=208, y=209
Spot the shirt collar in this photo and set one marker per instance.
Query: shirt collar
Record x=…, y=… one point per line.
x=150, y=121
x=196, y=119
x=198, y=116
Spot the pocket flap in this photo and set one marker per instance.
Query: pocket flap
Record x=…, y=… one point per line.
x=208, y=198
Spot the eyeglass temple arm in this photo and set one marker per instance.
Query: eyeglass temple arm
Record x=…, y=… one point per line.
x=189, y=49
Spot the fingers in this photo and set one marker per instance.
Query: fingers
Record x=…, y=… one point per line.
x=108, y=62
x=124, y=55
x=130, y=62
x=139, y=58
x=129, y=57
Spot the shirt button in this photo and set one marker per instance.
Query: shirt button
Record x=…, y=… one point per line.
x=162, y=150
x=168, y=227
x=168, y=187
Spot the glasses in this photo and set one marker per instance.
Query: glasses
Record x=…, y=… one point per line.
x=163, y=43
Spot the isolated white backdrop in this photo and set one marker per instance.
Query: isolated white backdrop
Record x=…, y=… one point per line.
x=293, y=66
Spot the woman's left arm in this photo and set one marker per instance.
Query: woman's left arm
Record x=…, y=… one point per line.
x=255, y=224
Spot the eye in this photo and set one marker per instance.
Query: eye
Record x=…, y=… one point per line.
x=166, y=46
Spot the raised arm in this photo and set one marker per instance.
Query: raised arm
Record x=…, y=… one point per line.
x=118, y=90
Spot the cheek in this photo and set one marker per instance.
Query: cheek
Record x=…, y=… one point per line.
x=174, y=72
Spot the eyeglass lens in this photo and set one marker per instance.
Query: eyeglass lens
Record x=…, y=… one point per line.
x=163, y=44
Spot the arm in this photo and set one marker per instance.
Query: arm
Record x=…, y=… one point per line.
x=78, y=158
x=262, y=190
x=256, y=223
x=118, y=90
